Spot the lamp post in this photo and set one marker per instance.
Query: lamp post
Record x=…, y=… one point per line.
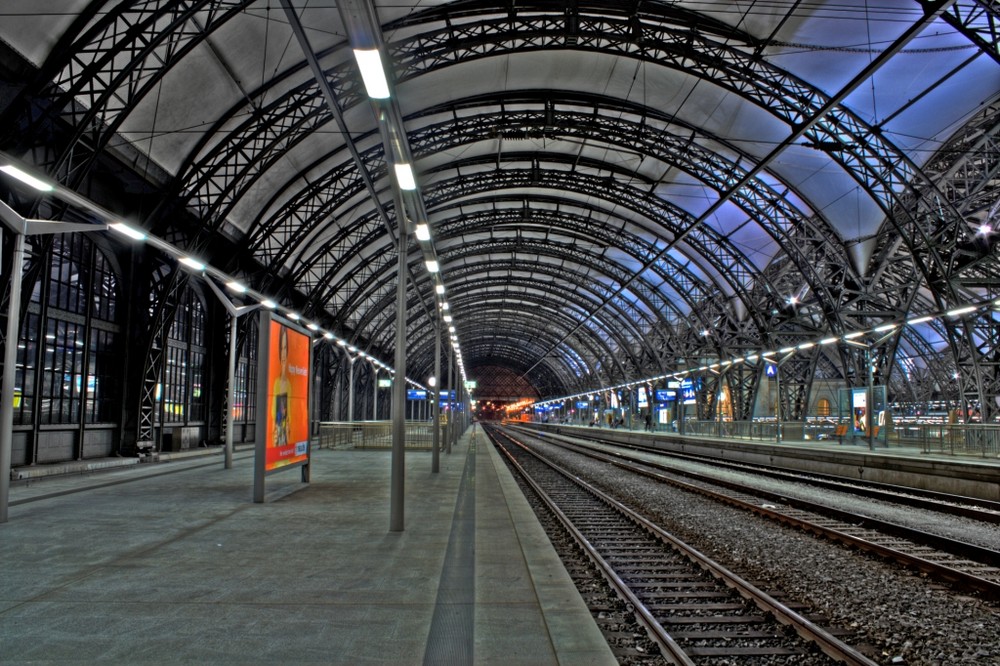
x=436, y=405
x=350, y=388
x=235, y=312
x=21, y=227
x=374, y=390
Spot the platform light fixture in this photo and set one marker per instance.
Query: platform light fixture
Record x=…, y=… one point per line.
x=404, y=176
x=884, y=328
x=192, y=263
x=422, y=231
x=370, y=63
x=439, y=288
x=958, y=312
x=127, y=230
x=829, y=341
x=27, y=178
x=342, y=343
x=432, y=266
x=854, y=334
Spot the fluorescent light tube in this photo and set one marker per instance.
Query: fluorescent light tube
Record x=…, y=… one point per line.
x=372, y=73
x=192, y=263
x=26, y=178
x=404, y=176
x=131, y=232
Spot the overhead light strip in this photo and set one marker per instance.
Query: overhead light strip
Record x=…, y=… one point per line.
x=195, y=265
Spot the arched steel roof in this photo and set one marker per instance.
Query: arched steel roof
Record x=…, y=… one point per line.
x=605, y=181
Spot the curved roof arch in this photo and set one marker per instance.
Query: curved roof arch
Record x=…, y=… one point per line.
x=769, y=172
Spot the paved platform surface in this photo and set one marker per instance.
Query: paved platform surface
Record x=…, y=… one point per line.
x=171, y=562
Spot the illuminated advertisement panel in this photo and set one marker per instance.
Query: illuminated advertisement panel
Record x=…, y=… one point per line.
x=286, y=429
x=859, y=407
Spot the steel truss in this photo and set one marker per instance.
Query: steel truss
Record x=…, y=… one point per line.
x=111, y=59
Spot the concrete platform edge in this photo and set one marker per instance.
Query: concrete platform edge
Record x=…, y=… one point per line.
x=562, y=607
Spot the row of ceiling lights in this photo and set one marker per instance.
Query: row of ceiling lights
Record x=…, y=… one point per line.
x=192, y=263
x=377, y=86
x=853, y=338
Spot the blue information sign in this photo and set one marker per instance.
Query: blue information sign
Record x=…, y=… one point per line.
x=665, y=395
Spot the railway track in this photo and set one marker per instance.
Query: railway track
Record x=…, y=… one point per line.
x=958, y=505
x=694, y=609
x=965, y=566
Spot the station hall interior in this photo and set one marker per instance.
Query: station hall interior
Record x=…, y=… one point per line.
x=773, y=219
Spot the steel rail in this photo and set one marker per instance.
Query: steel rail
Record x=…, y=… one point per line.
x=959, y=505
x=942, y=572
x=805, y=628
x=668, y=646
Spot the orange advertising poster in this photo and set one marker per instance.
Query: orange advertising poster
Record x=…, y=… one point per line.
x=287, y=397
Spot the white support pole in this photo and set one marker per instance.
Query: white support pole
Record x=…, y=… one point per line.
x=230, y=384
x=397, y=472
x=436, y=404
x=235, y=312
x=374, y=392
x=350, y=388
x=9, y=361
x=20, y=227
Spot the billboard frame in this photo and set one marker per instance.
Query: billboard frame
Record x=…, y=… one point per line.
x=264, y=384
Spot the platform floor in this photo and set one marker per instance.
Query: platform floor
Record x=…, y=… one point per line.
x=141, y=565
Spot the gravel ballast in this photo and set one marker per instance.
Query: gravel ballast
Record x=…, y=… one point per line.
x=902, y=617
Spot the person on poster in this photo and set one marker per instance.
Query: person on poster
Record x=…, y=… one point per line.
x=860, y=419
x=282, y=393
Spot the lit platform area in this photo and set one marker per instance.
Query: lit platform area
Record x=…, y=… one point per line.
x=971, y=476
x=140, y=564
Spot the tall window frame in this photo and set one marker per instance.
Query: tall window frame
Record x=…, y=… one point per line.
x=183, y=393
x=66, y=373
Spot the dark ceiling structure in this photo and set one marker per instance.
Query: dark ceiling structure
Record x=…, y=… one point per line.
x=615, y=190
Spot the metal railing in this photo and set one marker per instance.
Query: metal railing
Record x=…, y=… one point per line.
x=375, y=435
x=957, y=439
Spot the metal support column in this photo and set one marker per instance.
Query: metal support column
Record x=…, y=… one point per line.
x=235, y=312
x=374, y=392
x=436, y=404
x=230, y=384
x=397, y=468
x=20, y=227
x=350, y=388
x=870, y=398
x=9, y=361
x=449, y=432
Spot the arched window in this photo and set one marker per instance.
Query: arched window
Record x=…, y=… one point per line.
x=182, y=392
x=66, y=371
x=823, y=407
x=245, y=385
